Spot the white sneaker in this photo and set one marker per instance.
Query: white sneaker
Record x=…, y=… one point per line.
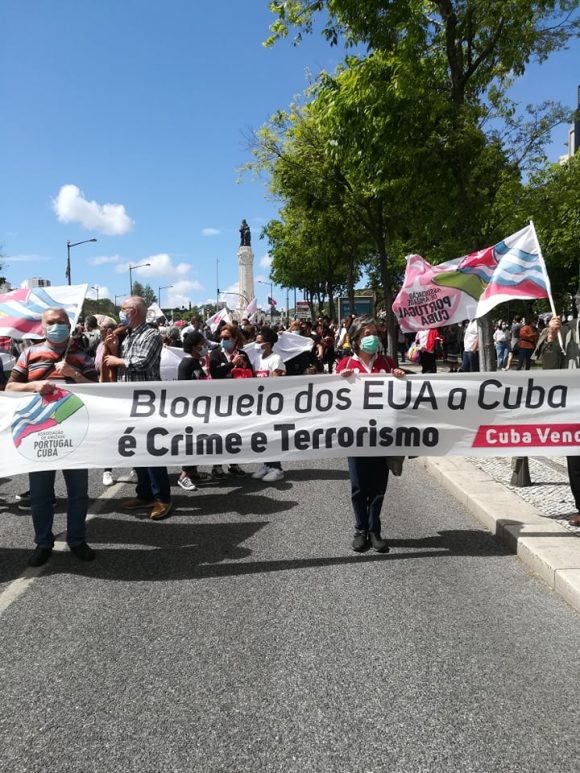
x=272, y=475
x=260, y=472
x=108, y=478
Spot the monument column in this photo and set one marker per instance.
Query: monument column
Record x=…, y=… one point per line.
x=246, y=264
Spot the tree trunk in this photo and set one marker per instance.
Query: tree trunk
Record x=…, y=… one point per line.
x=330, y=290
x=350, y=288
x=487, y=358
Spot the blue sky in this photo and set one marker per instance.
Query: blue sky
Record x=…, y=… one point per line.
x=126, y=120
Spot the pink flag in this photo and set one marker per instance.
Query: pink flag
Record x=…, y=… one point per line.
x=251, y=309
x=469, y=287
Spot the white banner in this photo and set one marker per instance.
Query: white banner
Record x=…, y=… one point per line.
x=303, y=417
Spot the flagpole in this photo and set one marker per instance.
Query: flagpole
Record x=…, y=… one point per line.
x=547, y=278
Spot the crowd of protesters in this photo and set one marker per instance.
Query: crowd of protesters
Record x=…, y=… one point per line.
x=130, y=350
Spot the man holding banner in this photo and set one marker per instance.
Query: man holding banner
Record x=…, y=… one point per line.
x=36, y=371
x=139, y=361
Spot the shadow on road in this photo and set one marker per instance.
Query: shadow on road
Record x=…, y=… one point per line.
x=238, y=501
x=199, y=551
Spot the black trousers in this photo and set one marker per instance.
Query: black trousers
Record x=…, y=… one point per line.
x=574, y=475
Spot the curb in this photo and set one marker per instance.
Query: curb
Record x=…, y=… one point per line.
x=545, y=547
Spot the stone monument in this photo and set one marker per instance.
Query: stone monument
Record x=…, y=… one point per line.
x=246, y=263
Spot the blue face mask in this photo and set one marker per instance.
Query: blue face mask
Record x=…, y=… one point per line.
x=228, y=344
x=57, y=333
x=123, y=318
x=370, y=344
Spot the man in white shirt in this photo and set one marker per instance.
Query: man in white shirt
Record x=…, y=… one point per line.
x=470, y=361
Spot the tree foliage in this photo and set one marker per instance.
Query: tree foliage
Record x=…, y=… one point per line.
x=401, y=140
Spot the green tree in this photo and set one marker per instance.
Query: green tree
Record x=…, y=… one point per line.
x=149, y=295
x=137, y=289
x=457, y=56
x=551, y=199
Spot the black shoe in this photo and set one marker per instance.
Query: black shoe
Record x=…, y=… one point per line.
x=235, y=469
x=83, y=551
x=378, y=543
x=218, y=471
x=360, y=542
x=24, y=501
x=40, y=556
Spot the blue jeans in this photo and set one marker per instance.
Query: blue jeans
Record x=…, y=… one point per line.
x=470, y=362
x=368, y=480
x=42, y=505
x=502, y=350
x=153, y=483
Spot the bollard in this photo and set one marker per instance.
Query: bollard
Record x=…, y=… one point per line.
x=521, y=472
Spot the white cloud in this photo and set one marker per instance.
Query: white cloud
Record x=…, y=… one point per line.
x=163, y=272
x=71, y=207
x=104, y=292
x=26, y=258
x=161, y=266
x=180, y=294
x=266, y=261
x=101, y=260
x=230, y=294
x=210, y=231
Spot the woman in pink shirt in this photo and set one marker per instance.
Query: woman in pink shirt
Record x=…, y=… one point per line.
x=368, y=474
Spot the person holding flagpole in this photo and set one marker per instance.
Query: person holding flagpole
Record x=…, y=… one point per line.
x=559, y=347
x=39, y=370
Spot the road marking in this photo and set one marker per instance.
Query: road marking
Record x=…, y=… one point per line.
x=20, y=585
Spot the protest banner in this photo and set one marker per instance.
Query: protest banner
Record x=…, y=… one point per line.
x=300, y=418
x=470, y=286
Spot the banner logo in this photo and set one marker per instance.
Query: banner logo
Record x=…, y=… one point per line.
x=51, y=426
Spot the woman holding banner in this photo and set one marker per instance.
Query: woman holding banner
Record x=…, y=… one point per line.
x=368, y=474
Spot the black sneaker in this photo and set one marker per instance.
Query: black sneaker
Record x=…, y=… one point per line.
x=360, y=542
x=83, y=551
x=40, y=556
x=24, y=501
x=218, y=471
x=235, y=469
x=378, y=543
x=200, y=477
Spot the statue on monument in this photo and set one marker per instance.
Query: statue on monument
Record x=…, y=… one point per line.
x=245, y=235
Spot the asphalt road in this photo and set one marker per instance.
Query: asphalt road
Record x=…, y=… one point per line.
x=242, y=634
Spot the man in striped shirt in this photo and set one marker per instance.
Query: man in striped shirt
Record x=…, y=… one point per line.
x=39, y=369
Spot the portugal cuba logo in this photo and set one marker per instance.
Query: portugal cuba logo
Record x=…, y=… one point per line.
x=51, y=426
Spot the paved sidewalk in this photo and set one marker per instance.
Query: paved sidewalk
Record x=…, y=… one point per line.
x=530, y=521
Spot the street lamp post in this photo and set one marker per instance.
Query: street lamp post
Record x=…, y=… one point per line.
x=271, y=284
x=166, y=287
x=68, y=246
x=96, y=289
x=118, y=296
x=141, y=265
x=243, y=297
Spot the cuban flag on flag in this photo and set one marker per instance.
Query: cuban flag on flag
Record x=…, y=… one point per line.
x=21, y=310
x=519, y=271
x=470, y=286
